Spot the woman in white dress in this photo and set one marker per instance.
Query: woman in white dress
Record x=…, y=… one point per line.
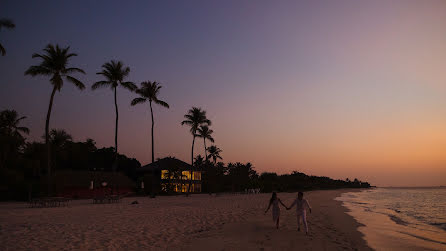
x=276, y=209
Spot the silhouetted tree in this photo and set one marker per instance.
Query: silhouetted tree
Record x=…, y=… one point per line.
x=194, y=118
x=55, y=65
x=199, y=161
x=114, y=73
x=149, y=92
x=10, y=123
x=205, y=133
x=241, y=175
x=11, y=138
x=60, y=138
x=8, y=24
x=214, y=153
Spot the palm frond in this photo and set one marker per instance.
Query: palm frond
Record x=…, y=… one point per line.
x=44, y=57
x=129, y=85
x=76, y=82
x=2, y=50
x=73, y=70
x=7, y=23
x=189, y=117
x=207, y=121
x=101, y=84
x=136, y=101
x=161, y=103
x=38, y=70
x=186, y=122
x=23, y=129
x=71, y=54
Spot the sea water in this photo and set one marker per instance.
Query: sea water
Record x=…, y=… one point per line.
x=400, y=218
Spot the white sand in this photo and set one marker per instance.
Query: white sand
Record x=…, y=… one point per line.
x=203, y=222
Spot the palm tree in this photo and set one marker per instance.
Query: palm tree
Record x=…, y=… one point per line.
x=11, y=137
x=194, y=118
x=60, y=138
x=149, y=92
x=205, y=133
x=55, y=65
x=214, y=153
x=199, y=161
x=10, y=120
x=114, y=73
x=8, y=24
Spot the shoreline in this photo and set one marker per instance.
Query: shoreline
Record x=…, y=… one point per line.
x=331, y=229
x=200, y=222
x=388, y=227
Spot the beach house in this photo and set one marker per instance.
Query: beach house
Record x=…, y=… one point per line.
x=173, y=175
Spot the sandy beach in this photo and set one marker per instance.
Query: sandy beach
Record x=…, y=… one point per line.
x=200, y=222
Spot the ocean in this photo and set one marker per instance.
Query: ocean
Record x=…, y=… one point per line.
x=400, y=218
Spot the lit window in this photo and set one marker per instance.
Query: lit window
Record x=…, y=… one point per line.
x=197, y=175
x=164, y=174
x=186, y=175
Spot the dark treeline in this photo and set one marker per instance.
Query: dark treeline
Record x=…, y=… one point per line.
x=23, y=165
x=238, y=177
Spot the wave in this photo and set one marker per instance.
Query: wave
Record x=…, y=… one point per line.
x=423, y=238
x=441, y=225
x=398, y=220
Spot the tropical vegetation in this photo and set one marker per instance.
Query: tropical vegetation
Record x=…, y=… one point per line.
x=205, y=133
x=8, y=24
x=149, y=92
x=195, y=118
x=54, y=64
x=114, y=73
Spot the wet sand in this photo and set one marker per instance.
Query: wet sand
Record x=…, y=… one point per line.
x=200, y=222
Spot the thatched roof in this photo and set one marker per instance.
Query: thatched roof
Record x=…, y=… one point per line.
x=165, y=164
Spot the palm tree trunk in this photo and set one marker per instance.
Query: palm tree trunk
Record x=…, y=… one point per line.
x=47, y=139
x=153, y=152
x=205, y=153
x=116, y=126
x=115, y=164
x=191, y=167
x=153, y=124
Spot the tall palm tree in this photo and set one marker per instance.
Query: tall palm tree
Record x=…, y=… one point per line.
x=194, y=118
x=8, y=24
x=55, y=65
x=205, y=133
x=214, y=153
x=114, y=73
x=149, y=92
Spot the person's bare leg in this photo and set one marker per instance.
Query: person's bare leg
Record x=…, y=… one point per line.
x=277, y=223
x=298, y=222
x=304, y=219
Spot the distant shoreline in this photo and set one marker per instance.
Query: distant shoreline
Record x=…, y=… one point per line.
x=421, y=187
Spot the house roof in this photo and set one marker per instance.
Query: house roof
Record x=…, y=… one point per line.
x=165, y=164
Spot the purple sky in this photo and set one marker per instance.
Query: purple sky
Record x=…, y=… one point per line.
x=333, y=88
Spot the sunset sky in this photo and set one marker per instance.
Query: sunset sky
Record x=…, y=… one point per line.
x=331, y=88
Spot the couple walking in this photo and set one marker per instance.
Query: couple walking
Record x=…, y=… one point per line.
x=301, y=209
